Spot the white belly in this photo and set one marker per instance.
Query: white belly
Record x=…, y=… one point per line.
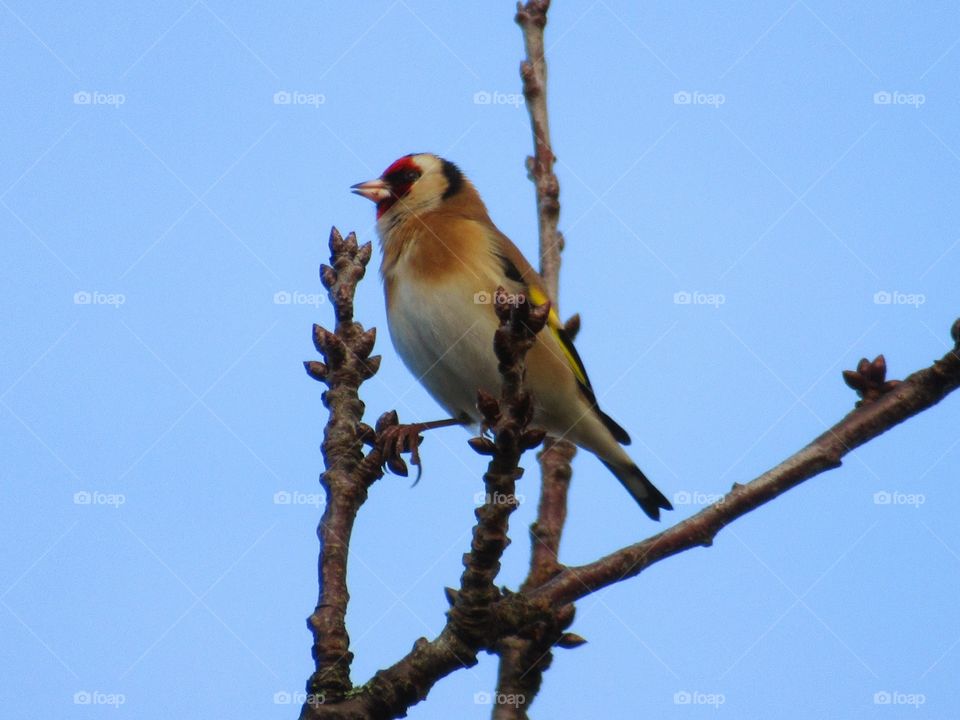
x=446, y=341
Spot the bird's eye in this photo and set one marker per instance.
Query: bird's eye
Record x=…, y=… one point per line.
x=411, y=176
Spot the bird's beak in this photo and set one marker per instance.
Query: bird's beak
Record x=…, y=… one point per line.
x=375, y=190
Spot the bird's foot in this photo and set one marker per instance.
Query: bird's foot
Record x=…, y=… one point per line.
x=393, y=439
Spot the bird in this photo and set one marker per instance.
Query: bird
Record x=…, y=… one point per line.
x=443, y=259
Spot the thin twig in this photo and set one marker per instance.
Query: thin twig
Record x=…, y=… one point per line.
x=532, y=18
x=552, y=512
x=522, y=660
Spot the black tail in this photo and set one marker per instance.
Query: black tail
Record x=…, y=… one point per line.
x=643, y=491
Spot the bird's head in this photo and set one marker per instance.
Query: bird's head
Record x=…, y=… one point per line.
x=412, y=185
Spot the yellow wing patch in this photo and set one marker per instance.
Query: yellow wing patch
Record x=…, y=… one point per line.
x=538, y=297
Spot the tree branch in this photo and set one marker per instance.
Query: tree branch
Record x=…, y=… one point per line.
x=523, y=660
x=470, y=624
x=482, y=617
x=346, y=477
x=871, y=418
x=522, y=627
x=508, y=419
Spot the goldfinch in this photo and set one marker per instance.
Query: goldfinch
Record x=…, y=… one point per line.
x=443, y=260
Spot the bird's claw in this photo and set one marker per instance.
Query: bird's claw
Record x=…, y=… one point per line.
x=395, y=440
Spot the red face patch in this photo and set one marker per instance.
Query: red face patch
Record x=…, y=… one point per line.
x=404, y=163
x=400, y=177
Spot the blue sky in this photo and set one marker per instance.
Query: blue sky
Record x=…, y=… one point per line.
x=755, y=195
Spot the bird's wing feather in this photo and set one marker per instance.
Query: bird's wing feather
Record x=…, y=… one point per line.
x=519, y=271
